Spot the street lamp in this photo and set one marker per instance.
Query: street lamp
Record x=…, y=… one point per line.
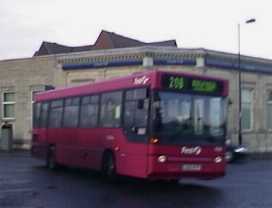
x=240, y=139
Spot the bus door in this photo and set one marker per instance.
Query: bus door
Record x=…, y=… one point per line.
x=136, y=111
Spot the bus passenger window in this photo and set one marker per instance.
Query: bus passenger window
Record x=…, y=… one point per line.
x=89, y=111
x=36, y=115
x=44, y=115
x=111, y=109
x=71, y=112
x=136, y=112
x=55, y=114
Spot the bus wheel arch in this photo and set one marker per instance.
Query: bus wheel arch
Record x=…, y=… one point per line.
x=108, y=165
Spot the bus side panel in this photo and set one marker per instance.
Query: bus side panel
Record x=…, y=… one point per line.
x=131, y=158
x=89, y=148
x=39, y=146
x=64, y=140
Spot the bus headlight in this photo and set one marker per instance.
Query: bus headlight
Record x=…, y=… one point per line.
x=162, y=159
x=218, y=159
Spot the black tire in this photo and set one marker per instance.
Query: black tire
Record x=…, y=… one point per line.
x=51, y=163
x=109, y=166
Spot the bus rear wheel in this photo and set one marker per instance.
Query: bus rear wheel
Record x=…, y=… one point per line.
x=109, y=166
x=51, y=159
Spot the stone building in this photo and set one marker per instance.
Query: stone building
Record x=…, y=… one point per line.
x=114, y=55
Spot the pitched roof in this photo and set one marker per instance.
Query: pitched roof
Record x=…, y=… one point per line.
x=105, y=40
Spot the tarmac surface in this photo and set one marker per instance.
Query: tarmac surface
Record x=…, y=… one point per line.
x=26, y=183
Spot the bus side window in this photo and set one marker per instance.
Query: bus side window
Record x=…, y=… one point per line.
x=36, y=115
x=89, y=111
x=71, y=112
x=136, y=112
x=44, y=115
x=55, y=114
x=110, y=114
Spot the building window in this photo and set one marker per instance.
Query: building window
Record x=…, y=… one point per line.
x=269, y=111
x=247, y=109
x=75, y=82
x=9, y=105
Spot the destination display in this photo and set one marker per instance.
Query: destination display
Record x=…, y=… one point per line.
x=191, y=84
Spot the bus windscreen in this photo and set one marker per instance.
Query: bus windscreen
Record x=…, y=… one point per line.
x=189, y=119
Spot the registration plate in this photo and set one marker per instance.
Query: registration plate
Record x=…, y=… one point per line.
x=191, y=167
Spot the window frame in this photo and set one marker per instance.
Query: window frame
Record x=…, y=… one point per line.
x=5, y=103
x=251, y=109
x=98, y=105
x=64, y=105
x=49, y=113
x=132, y=136
x=268, y=101
x=34, y=116
x=120, y=124
x=33, y=92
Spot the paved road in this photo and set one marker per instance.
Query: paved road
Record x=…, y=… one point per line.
x=24, y=182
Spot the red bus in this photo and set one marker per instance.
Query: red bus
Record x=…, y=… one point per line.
x=152, y=124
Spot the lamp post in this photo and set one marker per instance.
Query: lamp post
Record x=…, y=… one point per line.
x=240, y=137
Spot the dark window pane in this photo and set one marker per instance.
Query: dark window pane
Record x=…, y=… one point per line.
x=89, y=111
x=9, y=111
x=55, y=118
x=95, y=99
x=71, y=113
x=246, y=116
x=111, y=109
x=9, y=97
x=86, y=100
x=269, y=115
x=136, y=94
x=129, y=114
x=136, y=114
x=44, y=115
x=56, y=103
x=55, y=114
x=180, y=118
x=89, y=116
x=36, y=114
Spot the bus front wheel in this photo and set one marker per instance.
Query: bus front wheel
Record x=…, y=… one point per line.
x=109, y=166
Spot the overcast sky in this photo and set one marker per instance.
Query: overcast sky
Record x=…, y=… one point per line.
x=211, y=24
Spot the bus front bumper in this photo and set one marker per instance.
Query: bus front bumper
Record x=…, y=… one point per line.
x=177, y=168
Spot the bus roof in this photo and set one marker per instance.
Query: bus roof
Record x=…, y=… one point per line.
x=135, y=80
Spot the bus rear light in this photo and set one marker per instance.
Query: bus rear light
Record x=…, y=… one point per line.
x=218, y=159
x=154, y=141
x=162, y=159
